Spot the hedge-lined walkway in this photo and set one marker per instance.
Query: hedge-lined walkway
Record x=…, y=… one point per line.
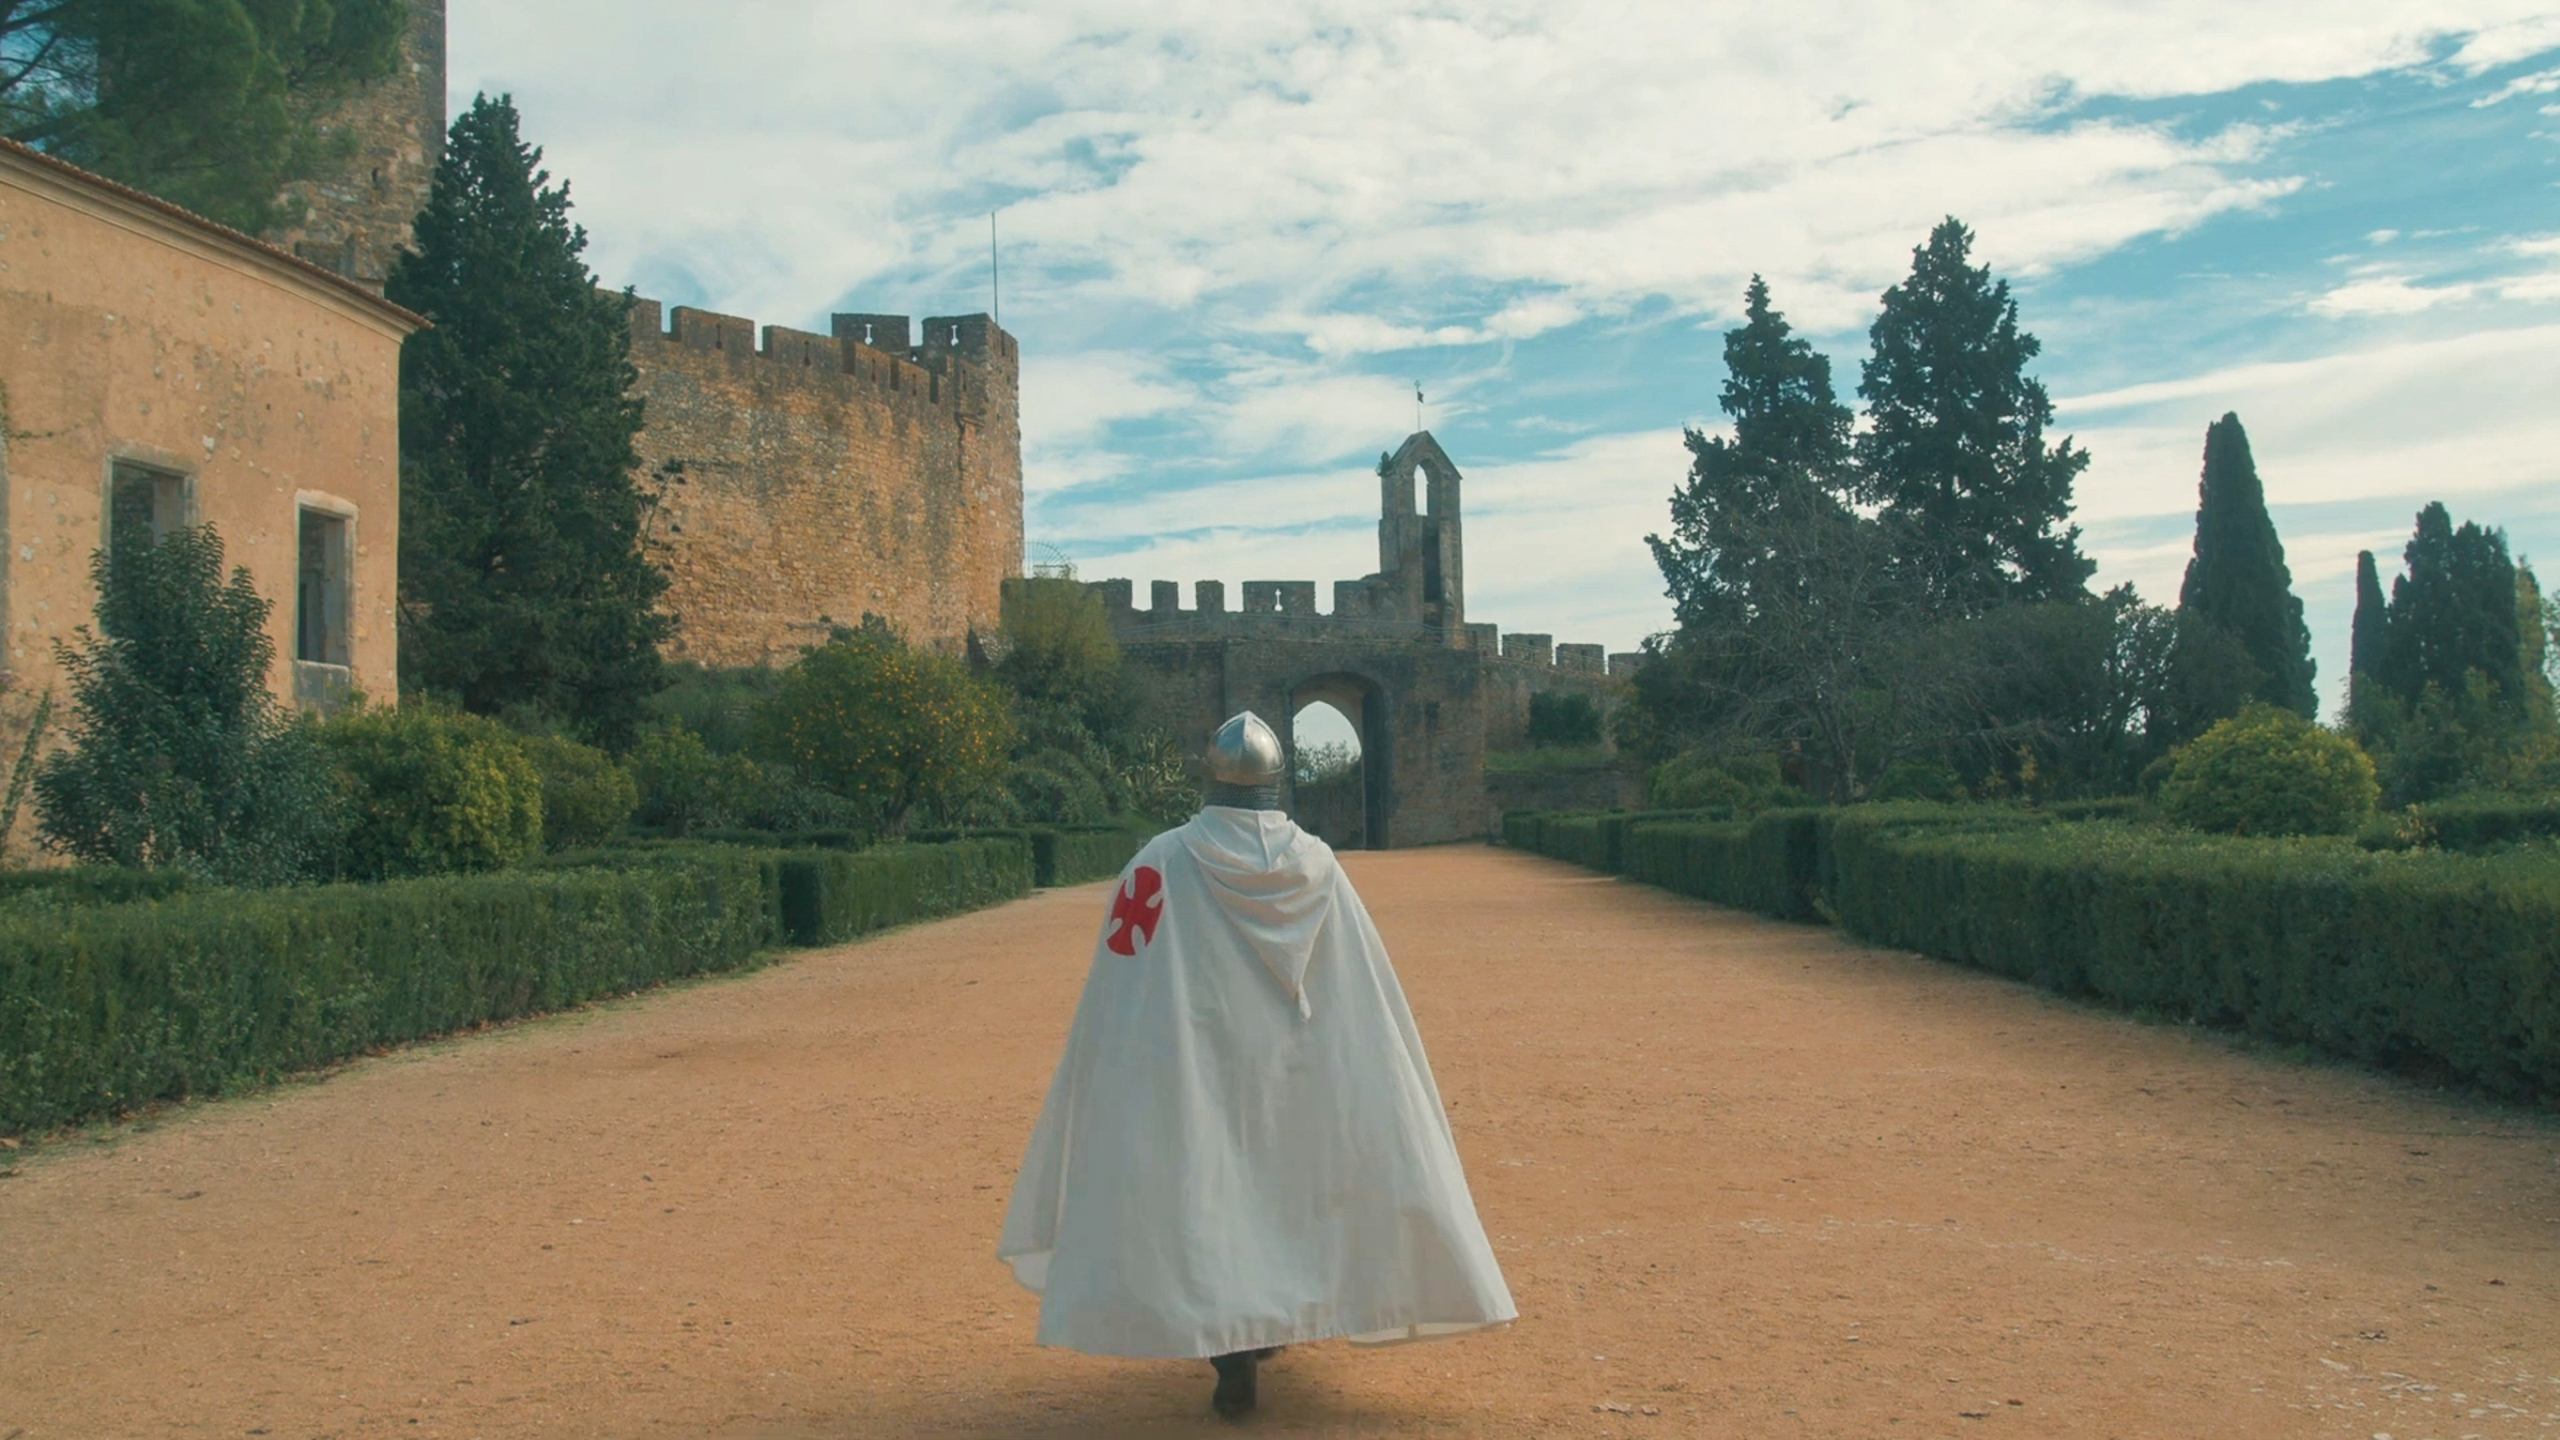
x=1746, y=1178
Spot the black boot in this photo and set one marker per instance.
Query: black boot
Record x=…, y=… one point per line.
x=1235, y=1383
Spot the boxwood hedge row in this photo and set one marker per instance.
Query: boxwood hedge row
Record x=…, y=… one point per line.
x=104, y=1007
x=2447, y=959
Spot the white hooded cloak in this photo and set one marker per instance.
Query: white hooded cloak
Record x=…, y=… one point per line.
x=1243, y=1146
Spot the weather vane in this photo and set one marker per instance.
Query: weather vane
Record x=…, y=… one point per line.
x=1417, y=406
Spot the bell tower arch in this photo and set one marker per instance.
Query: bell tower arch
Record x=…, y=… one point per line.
x=1422, y=556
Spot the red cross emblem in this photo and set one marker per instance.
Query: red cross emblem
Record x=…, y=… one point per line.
x=1136, y=909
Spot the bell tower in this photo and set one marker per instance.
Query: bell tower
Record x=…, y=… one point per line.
x=1421, y=556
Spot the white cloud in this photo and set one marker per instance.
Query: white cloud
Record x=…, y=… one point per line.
x=2541, y=82
x=1238, y=162
x=2464, y=413
x=2496, y=43
x=2386, y=295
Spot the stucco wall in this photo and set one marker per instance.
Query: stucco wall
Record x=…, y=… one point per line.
x=817, y=478
x=128, y=333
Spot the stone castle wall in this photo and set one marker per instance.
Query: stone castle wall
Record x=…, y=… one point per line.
x=810, y=480
x=1429, y=702
x=359, y=218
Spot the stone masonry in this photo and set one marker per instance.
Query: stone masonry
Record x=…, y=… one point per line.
x=802, y=482
x=359, y=218
x=813, y=479
x=1429, y=691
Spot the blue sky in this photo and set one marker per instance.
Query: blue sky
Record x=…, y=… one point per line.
x=1234, y=237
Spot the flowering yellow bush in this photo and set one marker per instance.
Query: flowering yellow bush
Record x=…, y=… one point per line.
x=887, y=728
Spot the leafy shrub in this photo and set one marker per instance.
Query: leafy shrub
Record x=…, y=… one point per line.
x=685, y=788
x=1699, y=779
x=2269, y=771
x=437, y=791
x=179, y=754
x=1054, y=787
x=1159, y=785
x=1918, y=780
x=717, y=704
x=586, y=797
x=1563, y=720
x=885, y=727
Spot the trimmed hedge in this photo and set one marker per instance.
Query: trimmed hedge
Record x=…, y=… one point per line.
x=89, y=885
x=1768, y=864
x=829, y=896
x=1074, y=856
x=2470, y=824
x=2449, y=960
x=113, y=1007
x=108, y=1006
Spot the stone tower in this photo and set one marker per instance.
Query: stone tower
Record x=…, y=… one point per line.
x=1421, y=558
x=360, y=218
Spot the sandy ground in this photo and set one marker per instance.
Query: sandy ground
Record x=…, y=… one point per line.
x=1745, y=1178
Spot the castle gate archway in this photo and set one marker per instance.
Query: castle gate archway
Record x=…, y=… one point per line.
x=1363, y=702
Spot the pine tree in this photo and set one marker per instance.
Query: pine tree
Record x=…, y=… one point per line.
x=1790, y=446
x=2238, y=579
x=2453, y=613
x=523, y=587
x=1956, y=444
x=213, y=104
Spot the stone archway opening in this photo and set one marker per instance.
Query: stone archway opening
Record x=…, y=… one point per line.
x=1338, y=760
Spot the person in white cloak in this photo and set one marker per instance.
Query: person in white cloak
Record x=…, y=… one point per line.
x=1243, y=1147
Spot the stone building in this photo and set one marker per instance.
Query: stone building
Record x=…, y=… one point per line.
x=157, y=369
x=809, y=480
x=1428, y=691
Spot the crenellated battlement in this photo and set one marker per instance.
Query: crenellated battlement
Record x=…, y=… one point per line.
x=1286, y=609
x=803, y=479
x=880, y=351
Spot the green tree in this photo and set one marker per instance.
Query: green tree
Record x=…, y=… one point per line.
x=523, y=584
x=2237, y=579
x=887, y=728
x=180, y=756
x=213, y=104
x=2452, y=613
x=1790, y=443
x=2365, y=644
x=1955, y=448
x=2533, y=653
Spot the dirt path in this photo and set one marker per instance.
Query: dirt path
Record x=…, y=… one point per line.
x=1746, y=1179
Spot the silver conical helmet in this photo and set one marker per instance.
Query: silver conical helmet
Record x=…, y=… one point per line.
x=1245, y=752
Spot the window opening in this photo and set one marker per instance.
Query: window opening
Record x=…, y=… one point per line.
x=143, y=505
x=320, y=593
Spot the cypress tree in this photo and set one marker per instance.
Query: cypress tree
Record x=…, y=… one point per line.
x=523, y=587
x=1956, y=452
x=2365, y=648
x=2532, y=646
x=2454, y=612
x=2237, y=579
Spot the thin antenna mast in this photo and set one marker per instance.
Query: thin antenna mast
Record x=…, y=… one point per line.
x=995, y=275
